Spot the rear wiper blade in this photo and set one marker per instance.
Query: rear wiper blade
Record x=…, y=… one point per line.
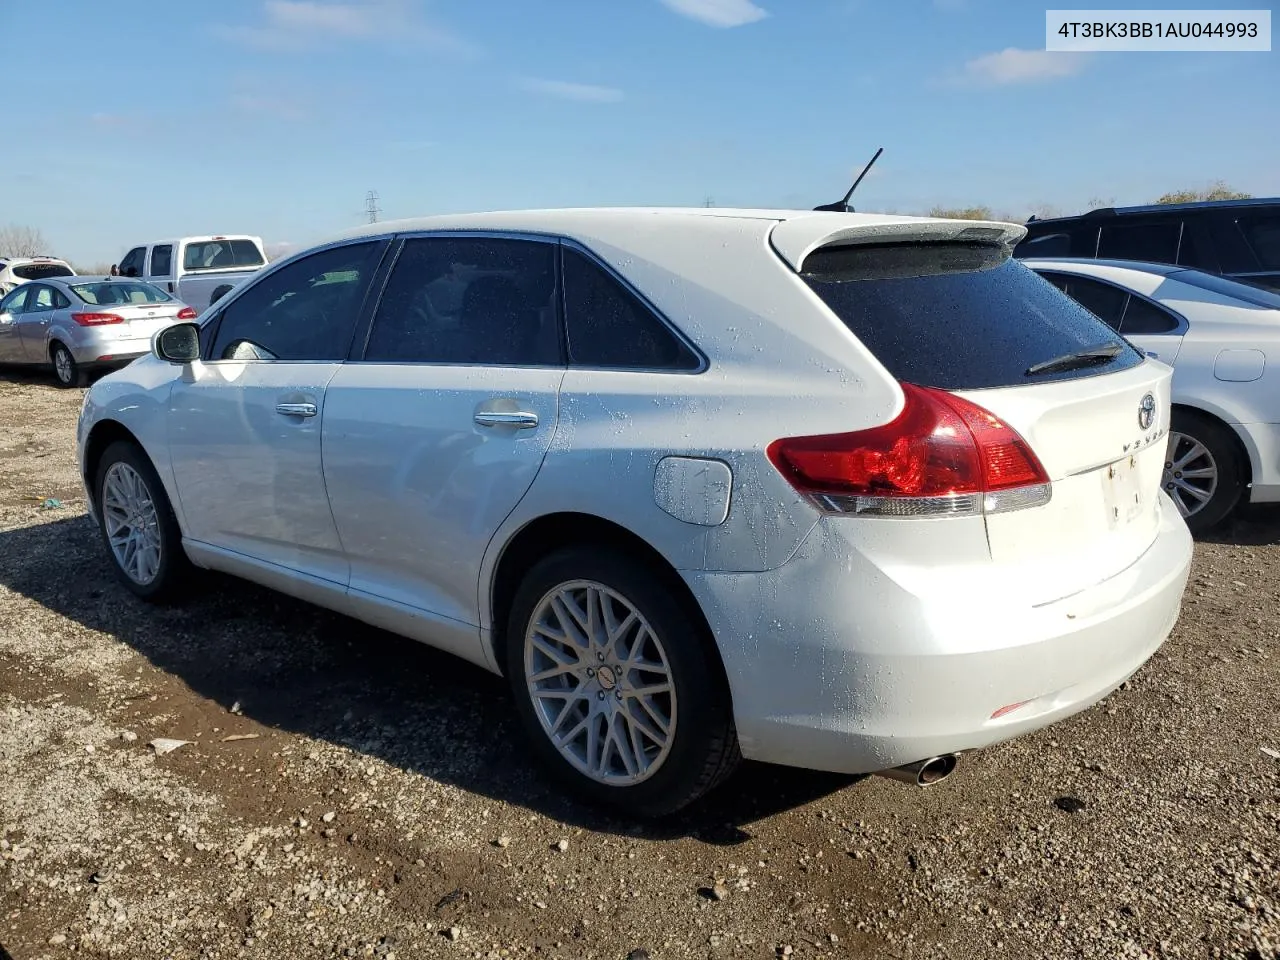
x=1073, y=361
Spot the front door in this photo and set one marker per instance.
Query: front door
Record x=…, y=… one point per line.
x=11, y=308
x=244, y=428
x=432, y=439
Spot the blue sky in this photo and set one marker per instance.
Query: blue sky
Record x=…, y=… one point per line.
x=274, y=117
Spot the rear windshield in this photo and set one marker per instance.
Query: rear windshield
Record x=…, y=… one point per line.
x=962, y=316
x=117, y=292
x=42, y=271
x=221, y=255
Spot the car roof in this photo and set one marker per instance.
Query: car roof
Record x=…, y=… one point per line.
x=1222, y=286
x=1189, y=206
x=792, y=233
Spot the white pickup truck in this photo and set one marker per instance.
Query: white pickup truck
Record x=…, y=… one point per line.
x=196, y=270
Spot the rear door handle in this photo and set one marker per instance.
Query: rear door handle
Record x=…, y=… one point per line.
x=296, y=409
x=520, y=419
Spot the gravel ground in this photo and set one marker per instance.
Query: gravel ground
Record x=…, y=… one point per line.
x=345, y=793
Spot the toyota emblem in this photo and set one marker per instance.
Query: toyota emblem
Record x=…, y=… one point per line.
x=1147, y=412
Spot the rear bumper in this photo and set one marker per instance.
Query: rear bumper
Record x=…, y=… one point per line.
x=109, y=350
x=833, y=665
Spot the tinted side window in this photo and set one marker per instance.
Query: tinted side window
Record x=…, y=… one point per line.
x=1142, y=316
x=132, y=264
x=1156, y=242
x=609, y=327
x=469, y=300
x=1101, y=299
x=1263, y=235
x=305, y=311
x=13, y=304
x=162, y=260
x=958, y=316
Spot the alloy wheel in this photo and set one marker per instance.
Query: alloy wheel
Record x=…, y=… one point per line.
x=1190, y=473
x=600, y=683
x=132, y=523
x=63, y=365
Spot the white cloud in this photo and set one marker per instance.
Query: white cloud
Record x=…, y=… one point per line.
x=580, y=92
x=718, y=13
x=1012, y=66
x=302, y=24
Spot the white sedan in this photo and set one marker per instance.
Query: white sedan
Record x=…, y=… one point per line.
x=803, y=487
x=1223, y=340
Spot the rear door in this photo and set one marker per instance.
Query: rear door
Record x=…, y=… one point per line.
x=968, y=320
x=438, y=428
x=244, y=428
x=160, y=267
x=37, y=317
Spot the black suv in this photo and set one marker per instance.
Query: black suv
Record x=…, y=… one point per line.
x=1232, y=238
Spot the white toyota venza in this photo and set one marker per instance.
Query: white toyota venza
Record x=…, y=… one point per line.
x=848, y=492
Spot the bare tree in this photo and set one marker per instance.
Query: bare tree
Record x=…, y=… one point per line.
x=962, y=213
x=1218, y=190
x=20, y=241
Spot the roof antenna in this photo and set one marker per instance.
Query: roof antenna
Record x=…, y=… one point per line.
x=842, y=206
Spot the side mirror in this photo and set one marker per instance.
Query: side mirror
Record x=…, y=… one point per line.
x=178, y=344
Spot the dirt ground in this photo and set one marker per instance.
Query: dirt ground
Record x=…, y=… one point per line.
x=349, y=794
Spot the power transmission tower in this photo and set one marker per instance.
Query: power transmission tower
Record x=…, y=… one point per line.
x=371, y=206
x=709, y=202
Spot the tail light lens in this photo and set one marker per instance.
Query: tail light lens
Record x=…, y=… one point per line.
x=187, y=313
x=96, y=319
x=941, y=456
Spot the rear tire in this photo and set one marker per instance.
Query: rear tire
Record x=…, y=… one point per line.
x=65, y=369
x=652, y=752
x=138, y=526
x=1204, y=472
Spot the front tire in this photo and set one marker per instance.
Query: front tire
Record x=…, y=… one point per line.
x=138, y=526
x=618, y=684
x=1203, y=473
x=65, y=368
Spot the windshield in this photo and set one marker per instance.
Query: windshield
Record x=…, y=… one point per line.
x=107, y=293
x=42, y=271
x=221, y=255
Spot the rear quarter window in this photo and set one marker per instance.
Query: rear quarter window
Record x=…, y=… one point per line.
x=959, y=316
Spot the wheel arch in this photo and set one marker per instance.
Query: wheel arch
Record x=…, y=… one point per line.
x=101, y=436
x=1245, y=447
x=555, y=531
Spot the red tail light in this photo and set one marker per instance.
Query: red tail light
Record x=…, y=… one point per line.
x=187, y=313
x=96, y=319
x=941, y=455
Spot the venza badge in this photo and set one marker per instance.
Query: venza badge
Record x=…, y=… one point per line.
x=1147, y=412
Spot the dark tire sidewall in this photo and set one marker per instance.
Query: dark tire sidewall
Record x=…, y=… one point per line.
x=1221, y=445
x=703, y=709
x=173, y=560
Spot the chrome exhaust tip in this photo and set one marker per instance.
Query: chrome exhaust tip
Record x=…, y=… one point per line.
x=923, y=773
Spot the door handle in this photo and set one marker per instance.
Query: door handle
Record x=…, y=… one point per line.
x=296, y=409
x=519, y=419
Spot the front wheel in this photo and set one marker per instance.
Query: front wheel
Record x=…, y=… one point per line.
x=137, y=524
x=65, y=368
x=1203, y=472
x=618, y=685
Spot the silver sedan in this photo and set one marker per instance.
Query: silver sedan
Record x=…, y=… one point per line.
x=75, y=324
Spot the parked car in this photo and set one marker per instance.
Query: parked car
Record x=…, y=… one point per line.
x=18, y=270
x=1223, y=340
x=1239, y=239
x=793, y=486
x=196, y=270
x=78, y=324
